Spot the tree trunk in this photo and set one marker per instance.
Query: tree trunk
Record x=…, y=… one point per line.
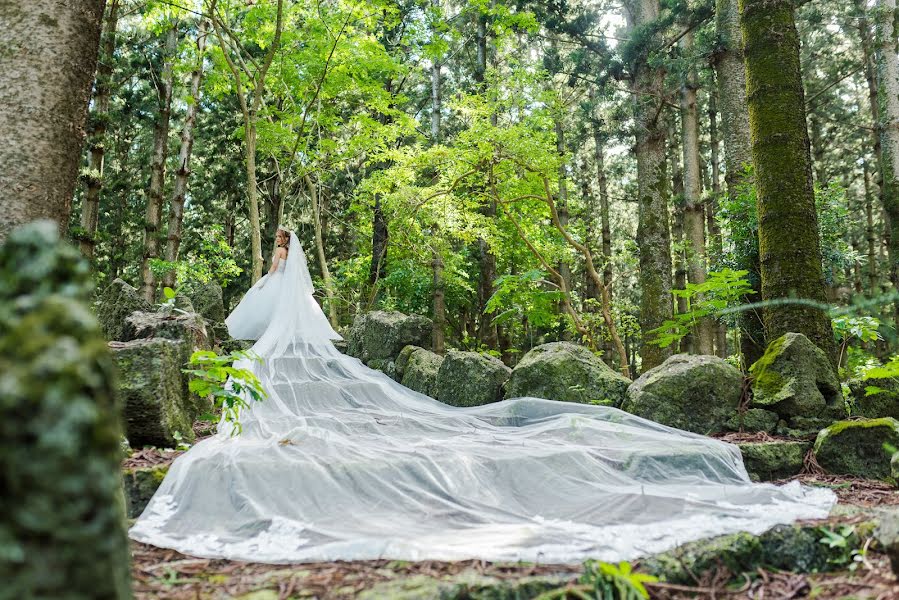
x=438, y=331
x=98, y=121
x=562, y=207
x=49, y=54
x=888, y=127
x=605, y=224
x=379, y=238
x=870, y=233
x=153, y=215
x=694, y=213
x=653, y=233
x=179, y=191
x=716, y=244
x=731, y=75
x=789, y=245
x=333, y=315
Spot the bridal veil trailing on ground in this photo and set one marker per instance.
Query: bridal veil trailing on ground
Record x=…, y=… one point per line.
x=342, y=462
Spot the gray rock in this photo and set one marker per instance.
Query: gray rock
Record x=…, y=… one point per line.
x=384, y=365
x=150, y=385
x=754, y=419
x=140, y=484
x=471, y=379
x=692, y=392
x=567, y=372
x=884, y=402
x=206, y=299
x=62, y=526
x=382, y=335
x=858, y=447
x=769, y=461
x=115, y=305
x=887, y=535
x=794, y=378
x=417, y=369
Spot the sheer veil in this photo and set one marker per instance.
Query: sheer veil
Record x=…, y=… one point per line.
x=340, y=462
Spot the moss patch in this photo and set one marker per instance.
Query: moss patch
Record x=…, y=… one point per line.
x=857, y=447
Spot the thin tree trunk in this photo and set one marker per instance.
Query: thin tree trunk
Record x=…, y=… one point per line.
x=870, y=233
x=564, y=267
x=98, y=122
x=153, y=214
x=653, y=233
x=438, y=332
x=731, y=77
x=333, y=315
x=694, y=213
x=788, y=223
x=605, y=224
x=49, y=55
x=716, y=244
x=179, y=191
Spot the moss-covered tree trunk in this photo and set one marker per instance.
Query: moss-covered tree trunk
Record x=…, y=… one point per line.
x=48, y=54
x=731, y=76
x=93, y=178
x=789, y=245
x=888, y=125
x=62, y=522
x=653, y=233
x=154, y=195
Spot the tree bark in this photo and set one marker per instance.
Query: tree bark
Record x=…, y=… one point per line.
x=870, y=232
x=562, y=205
x=653, y=233
x=438, y=330
x=888, y=127
x=605, y=224
x=182, y=175
x=715, y=243
x=48, y=55
x=731, y=75
x=789, y=243
x=333, y=315
x=153, y=214
x=98, y=122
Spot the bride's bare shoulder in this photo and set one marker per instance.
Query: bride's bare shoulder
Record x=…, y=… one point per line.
x=282, y=252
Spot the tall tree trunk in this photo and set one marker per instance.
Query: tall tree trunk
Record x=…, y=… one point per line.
x=96, y=137
x=653, y=233
x=888, y=127
x=379, y=239
x=731, y=76
x=48, y=53
x=716, y=244
x=562, y=206
x=605, y=223
x=438, y=316
x=179, y=191
x=694, y=211
x=333, y=315
x=789, y=243
x=677, y=227
x=870, y=233
x=153, y=215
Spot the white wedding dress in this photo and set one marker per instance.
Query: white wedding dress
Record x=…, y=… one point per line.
x=342, y=463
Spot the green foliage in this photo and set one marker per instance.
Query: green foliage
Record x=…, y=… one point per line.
x=619, y=582
x=722, y=290
x=845, y=545
x=229, y=386
x=212, y=260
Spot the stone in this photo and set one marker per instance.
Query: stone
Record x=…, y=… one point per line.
x=567, y=372
x=115, y=305
x=770, y=461
x=384, y=365
x=471, y=379
x=692, y=392
x=857, y=447
x=140, y=484
x=754, y=419
x=794, y=378
x=62, y=527
x=156, y=409
x=468, y=585
x=418, y=369
x=208, y=302
x=887, y=535
x=884, y=402
x=382, y=335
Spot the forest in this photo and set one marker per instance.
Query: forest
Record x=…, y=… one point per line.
x=648, y=249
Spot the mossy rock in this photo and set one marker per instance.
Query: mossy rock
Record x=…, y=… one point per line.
x=140, y=484
x=417, y=369
x=795, y=379
x=857, y=447
x=692, y=392
x=381, y=335
x=883, y=403
x=206, y=299
x=384, y=365
x=887, y=535
x=567, y=372
x=62, y=532
x=115, y=305
x=471, y=379
x=754, y=419
x=770, y=461
x=467, y=585
x=155, y=407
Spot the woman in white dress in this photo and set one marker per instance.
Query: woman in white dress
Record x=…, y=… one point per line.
x=340, y=462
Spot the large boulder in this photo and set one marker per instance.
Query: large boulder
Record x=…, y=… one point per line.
x=157, y=412
x=115, y=305
x=858, y=447
x=883, y=401
x=140, y=484
x=471, y=379
x=381, y=335
x=769, y=461
x=567, y=372
x=417, y=369
x=693, y=392
x=208, y=302
x=795, y=379
x=62, y=527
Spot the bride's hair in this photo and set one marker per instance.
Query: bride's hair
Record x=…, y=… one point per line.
x=285, y=234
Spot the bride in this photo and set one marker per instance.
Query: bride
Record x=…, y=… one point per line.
x=340, y=462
